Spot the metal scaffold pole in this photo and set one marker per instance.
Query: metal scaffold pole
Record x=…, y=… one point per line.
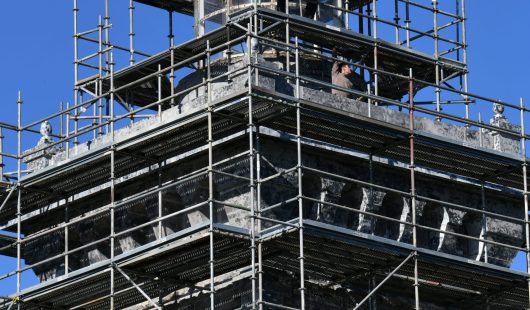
x=287, y=39
x=19, y=196
x=436, y=56
x=106, y=20
x=112, y=185
x=66, y=236
x=413, y=191
x=396, y=19
x=131, y=32
x=159, y=91
x=252, y=156
x=1, y=155
x=525, y=196
x=100, y=75
x=210, y=174
x=112, y=95
x=255, y=196
x=300, y=184
x=76, y=69
x=376, y=67
x=407, y=22
x=464, y=59
x=172, y=60
x=484, y=230
x=258, y=212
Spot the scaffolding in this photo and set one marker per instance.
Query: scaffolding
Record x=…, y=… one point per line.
x=99, y=159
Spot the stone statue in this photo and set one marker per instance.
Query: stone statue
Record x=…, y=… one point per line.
x=45, y=131
x=42, y=153
x=500, y=140
x=498, y=119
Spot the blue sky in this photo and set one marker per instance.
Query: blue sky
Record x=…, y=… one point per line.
x=37, y=53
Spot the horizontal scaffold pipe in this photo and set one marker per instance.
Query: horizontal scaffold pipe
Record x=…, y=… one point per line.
x=279, y=204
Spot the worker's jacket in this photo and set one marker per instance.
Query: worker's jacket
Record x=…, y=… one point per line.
x=339, y=79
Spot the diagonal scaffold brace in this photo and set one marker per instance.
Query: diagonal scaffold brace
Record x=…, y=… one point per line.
x=411, y=255
x=135, y=286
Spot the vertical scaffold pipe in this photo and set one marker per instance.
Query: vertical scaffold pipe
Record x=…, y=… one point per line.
x=396, y=19
x=361, y=30
x=66, y=236
x=112, y=179
x=457, y=36
x=2, y=155
x=67, y=119
x=407, y=22
x=525, y=196
x=347, y=14
x=76, y=37
x=374, y=21
x=251, y=168
x=111, y=103
x=112, y=241
x=437, y=64
x=76, y=60
x=300, y=184
x=172, y=60
x=161, y=233
x=159, y=91
x=19, y=187
x=100, y=74
x=484, y=232
x=106, y=19
x=160, y=200
x=198, y=11
x=464, y=59
x=287, y=39
x=413, y=189
x=258, y=211
x=78, y=98
x=131, y=32
x=210, y=174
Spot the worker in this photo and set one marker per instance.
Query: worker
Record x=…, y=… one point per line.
x=343, y=76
